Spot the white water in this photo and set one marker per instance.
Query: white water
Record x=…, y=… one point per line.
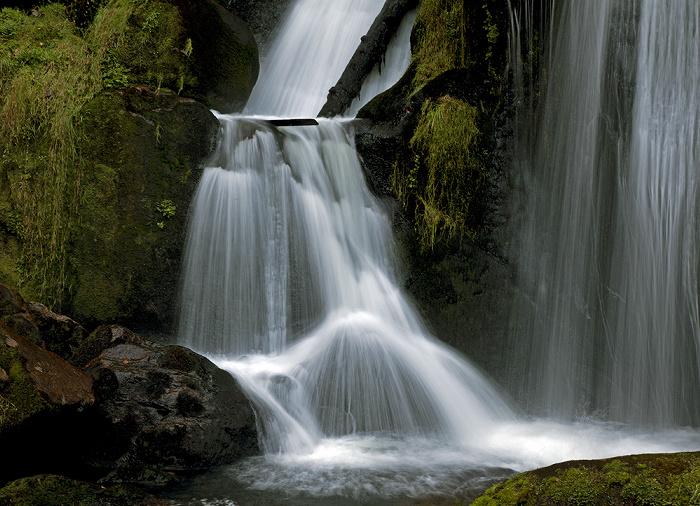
x=609, y=245
x=316, y=42
x=289, y=283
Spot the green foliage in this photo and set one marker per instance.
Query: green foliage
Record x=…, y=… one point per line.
x=148, y=47
x=448, y=168
x=166, y=208
x=440, y=31
x=451, y=34
x=47, y=73
x=82, y=12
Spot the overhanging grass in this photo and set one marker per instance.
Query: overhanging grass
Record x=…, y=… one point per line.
x=448, y=168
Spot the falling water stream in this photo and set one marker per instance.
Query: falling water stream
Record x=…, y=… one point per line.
x=290, y=283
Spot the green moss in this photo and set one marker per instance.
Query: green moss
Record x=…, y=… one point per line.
x=47, y=72
x=150, y=49
x=19, y=399
x=642, y=480
x=448, y=168
x=55, y=196
x=51, y=490
x=451, y=34
x=440, y=31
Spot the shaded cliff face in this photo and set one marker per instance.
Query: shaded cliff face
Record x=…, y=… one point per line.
x=101, y=150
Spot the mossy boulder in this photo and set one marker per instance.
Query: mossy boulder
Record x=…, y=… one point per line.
x=192, y=47
x=142, y=156
x=80, y=149
x=636, y=480
x=44, y=490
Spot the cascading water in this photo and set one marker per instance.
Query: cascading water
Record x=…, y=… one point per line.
x=288, y=254
x=609, y=246
x=289, y=283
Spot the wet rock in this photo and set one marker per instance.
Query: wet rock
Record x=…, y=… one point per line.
x=165, y=407
x=102, y=338
x=464, y=286
x=262, y=16
x=59, y=333
x=11, y=302
x=43, y=406
x=25, y=325
x=140, y=475
x=38, y=379
x=225, y=55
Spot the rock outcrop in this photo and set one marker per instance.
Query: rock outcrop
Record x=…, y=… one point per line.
x=52, y=489
x=632, y=480
x=142, y=158
x=165, y=406
x=102, y=154
x=369, y=53
x=139, y=411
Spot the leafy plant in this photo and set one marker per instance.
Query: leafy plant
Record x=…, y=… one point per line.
x=167, y=208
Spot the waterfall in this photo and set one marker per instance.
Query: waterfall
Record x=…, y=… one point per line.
x=290, y=273
x=608, y=243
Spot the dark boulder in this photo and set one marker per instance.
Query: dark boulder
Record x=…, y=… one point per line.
x=165, y=407
x=43, y=406
x=264, y=17
x=59, y=333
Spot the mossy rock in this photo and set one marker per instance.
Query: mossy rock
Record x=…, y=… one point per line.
x=635, y=480
x=53, y=490
x=141, y=160
x=192, y=47
x=61, y=186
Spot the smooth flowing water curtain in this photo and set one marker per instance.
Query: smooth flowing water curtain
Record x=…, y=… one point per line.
x=608, y=245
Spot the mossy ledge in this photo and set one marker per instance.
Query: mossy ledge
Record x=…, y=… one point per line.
x=635, y=480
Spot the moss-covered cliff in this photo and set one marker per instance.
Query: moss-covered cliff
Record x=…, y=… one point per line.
x=100, y=148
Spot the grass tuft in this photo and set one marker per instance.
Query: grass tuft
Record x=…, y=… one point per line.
x=448, y=167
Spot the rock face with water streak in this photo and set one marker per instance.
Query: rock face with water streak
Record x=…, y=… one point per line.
x=165, y=406
x=368, y=54
x=462, y=284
